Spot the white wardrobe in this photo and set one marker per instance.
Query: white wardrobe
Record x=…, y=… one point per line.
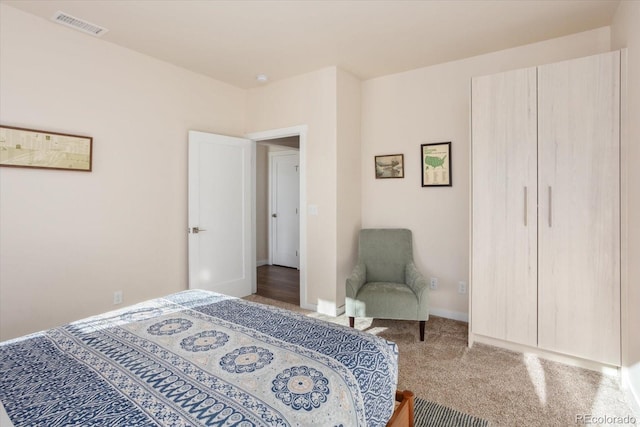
x=545, y=246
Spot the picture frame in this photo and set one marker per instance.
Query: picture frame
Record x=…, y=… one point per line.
x=39, y=149
x=389, y=166
x=436, y=164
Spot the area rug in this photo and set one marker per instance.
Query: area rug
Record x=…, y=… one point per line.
x=428, y=414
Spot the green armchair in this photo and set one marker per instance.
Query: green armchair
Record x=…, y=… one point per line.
x=385, y=283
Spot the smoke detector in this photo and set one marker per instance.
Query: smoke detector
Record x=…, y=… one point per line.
x=78, y=24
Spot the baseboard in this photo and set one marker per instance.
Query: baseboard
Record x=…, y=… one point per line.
x=448, y=314
x=609, y=370
x=310, y=307
x=329, y=308
x=262, y=262
x=632, y=395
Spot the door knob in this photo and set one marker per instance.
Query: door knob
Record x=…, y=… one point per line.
x=275, y=215
x=196, y=230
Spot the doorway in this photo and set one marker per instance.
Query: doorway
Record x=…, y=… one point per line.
x=285, y=282
x=284, y=205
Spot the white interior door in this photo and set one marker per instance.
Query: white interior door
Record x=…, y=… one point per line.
x=285, y=207
x=221, y=255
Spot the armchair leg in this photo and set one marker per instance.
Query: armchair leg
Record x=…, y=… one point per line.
x=422, y=322
x=352, y=321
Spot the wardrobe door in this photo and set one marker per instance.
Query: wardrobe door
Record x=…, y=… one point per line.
x=503, y=261
x=579, y=207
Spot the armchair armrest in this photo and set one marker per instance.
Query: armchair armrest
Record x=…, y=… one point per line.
x=356, y=280
x=416, y=281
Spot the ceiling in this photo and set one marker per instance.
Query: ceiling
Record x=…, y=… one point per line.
x=233, y=41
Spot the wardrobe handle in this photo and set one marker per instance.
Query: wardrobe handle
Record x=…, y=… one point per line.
x=550, y=209
x=525, y=206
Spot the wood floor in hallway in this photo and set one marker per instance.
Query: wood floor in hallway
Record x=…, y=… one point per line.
x=279, y=283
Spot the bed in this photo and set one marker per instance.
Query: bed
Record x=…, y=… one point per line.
x=198, y=358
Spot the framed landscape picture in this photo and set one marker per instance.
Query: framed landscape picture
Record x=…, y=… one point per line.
x=436, y=164
x=29, y=148
x=389, y=166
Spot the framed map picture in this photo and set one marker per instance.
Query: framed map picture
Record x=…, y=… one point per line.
x=29, y=148
x=436, y=164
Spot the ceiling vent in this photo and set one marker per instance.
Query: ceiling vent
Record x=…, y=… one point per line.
x=78, y=24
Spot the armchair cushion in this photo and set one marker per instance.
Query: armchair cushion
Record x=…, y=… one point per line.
x=387, y=300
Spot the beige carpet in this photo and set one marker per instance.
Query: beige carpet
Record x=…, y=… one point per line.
x=501, y=386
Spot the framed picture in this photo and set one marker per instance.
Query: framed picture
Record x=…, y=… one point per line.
x=436, y=164
x=389, y=166
x=29, y=148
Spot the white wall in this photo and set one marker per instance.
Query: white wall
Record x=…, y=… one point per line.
x=328, y=102
x=70, y=239
x=626, y=33
x=402, y=111
x=348, y=189
x=309, y=99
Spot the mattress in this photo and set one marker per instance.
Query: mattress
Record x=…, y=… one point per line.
x=198, y=358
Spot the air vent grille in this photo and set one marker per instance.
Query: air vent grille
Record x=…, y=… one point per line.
x=78, y=24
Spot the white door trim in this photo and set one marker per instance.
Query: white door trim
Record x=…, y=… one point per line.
x=300, y=131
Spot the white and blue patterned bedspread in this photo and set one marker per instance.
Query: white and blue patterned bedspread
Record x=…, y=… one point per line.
x=197, y=358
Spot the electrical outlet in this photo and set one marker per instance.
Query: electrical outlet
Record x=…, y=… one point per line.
x=462, y=287
x=434, y=283
x=117, y=297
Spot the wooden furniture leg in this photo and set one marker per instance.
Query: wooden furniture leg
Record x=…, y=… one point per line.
x=403, y=414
